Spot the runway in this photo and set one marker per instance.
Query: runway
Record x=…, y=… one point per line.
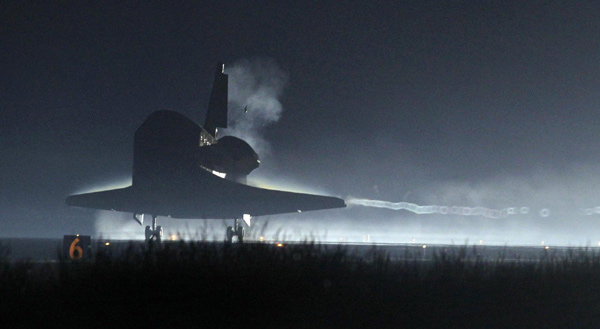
x=50, y=250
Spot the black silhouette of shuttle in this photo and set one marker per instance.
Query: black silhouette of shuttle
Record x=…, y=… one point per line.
x=181, y=170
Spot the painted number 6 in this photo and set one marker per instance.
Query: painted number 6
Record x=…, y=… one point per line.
x=75, y=251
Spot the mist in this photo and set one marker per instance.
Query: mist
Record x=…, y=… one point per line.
x=547, y=206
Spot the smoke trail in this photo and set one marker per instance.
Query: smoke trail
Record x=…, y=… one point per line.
x=255, y=87
x=592, y=211
x=444, y=210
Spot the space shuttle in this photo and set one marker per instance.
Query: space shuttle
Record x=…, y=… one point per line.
x=183, y=170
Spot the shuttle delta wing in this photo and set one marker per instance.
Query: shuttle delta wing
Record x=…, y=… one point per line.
x=234, y=199
x=261, y=202
x=198, y=200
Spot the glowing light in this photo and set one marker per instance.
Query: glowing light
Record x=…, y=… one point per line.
x=107, y=243
x=546, y=247
x=280, y=245
x=220, y=174
x=424, y=246
x=543, y=242
x=261, y=239
x=174, y=237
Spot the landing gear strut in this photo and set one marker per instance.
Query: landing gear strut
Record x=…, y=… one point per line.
x=154, y=232
x=236, y=230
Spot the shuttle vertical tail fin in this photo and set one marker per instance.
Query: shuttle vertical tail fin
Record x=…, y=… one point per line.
x=216, y=115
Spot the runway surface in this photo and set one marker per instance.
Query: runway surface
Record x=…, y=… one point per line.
x=50, y=250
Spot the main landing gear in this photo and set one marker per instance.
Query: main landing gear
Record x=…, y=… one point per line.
x=154, y=232
x=236, y=230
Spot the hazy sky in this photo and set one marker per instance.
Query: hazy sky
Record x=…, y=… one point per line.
x=468, y=103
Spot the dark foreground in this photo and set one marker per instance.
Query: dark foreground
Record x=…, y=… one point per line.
x=301, y=286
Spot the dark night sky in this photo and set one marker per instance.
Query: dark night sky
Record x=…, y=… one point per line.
x=474, y=103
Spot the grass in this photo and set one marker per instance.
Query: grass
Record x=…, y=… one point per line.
x=209, y=285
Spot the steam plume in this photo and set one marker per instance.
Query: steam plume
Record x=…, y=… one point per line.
x=255, y=87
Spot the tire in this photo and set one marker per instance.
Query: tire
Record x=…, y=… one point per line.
x=240, y=234
x=229, y=234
